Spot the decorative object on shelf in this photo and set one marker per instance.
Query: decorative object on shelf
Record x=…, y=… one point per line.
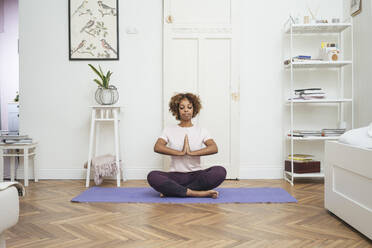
x=302, y=163
x=106, y=94
x=355, y=7
x=313, y=14
x=16, y=99
x=329, y=52
x=295, y=19
x=93, y=30
x=306, y=19
x=303, y=166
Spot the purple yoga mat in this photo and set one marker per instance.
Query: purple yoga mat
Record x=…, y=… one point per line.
x=149, y=195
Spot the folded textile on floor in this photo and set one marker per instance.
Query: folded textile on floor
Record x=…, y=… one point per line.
x=104, y=165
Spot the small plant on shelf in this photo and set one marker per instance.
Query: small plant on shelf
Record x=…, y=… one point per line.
x=106, y=94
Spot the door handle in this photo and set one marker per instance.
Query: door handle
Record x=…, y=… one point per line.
x=169, y=19
x=235, y=96
x=235, y=92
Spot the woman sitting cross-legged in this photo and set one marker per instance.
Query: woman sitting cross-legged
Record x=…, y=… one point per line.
x=185, y=143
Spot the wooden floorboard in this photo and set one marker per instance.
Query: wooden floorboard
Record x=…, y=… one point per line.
x=49, y=219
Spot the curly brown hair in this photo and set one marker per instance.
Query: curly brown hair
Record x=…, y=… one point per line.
x=174, y=104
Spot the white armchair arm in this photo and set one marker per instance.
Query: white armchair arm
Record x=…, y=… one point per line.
x=9, y=207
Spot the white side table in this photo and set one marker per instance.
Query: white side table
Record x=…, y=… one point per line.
x=104, y=113
x=26, y=151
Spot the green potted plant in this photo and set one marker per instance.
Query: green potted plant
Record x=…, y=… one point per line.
x=106, y=94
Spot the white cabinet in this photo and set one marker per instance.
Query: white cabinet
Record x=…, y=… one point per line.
x=304, y=69
x=13, y=116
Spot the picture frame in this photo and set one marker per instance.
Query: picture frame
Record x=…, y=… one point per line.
x=93, y=29
x=355, y=7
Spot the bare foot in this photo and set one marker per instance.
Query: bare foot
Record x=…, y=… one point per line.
x=205, y=193
x=214, y=194
x=161, y=195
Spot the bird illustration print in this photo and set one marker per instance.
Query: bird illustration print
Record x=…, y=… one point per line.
x=107, y=46
x=82, y=9
x=81, y=45
x=105, y=9
x=89, y=24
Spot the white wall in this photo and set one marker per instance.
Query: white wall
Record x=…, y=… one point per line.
x=56, y=93
x=9, y=67
x=362, y=63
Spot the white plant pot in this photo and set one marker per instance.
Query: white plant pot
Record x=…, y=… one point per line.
x=107, y=96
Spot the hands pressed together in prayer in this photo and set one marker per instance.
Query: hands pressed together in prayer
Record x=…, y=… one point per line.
x=186, y=147
x=161, y=147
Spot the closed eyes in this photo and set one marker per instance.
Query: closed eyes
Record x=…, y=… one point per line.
x=189, y=107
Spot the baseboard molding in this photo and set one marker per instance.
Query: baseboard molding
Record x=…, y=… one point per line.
x=130, y=173
x=246, y=172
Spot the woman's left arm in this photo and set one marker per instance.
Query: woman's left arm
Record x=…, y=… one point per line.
x=210, y=149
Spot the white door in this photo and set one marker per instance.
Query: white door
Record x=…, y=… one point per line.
x=200, y=56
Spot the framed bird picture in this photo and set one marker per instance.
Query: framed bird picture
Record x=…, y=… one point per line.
x=93, y=29
x=355, y=7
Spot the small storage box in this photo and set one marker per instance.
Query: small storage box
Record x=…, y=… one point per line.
x=303, y=167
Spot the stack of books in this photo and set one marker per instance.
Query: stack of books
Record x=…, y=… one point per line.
x=15, y=139
x=325, y=132
x=302, y=163
x=306, y=133
x=332, y=132
x=308, y=94
x=301, y=157
x=300, y=58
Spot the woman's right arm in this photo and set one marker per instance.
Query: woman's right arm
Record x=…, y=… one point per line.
x=161, y=147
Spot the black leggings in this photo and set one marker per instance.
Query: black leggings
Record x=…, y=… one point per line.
x=177, y=183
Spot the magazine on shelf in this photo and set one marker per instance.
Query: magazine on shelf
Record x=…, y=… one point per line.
x=333, y=132
x=22, y=141
x=309, y=92
x=312, y=97
x=307, y=89
x=305, y=133
x=14, y=139
x=301, y=157
x=295, y=60
x=307, y=98
x=326, y=132
x=7, y=132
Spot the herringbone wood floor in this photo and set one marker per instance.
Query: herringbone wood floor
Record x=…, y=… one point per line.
x=49, y=219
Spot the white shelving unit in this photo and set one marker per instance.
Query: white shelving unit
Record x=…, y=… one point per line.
x=320, y=100
x=314, y=138
x=317, y=28
x=294, y=30
x=318, y=64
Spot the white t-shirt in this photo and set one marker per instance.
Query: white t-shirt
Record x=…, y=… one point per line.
x=175, y=138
